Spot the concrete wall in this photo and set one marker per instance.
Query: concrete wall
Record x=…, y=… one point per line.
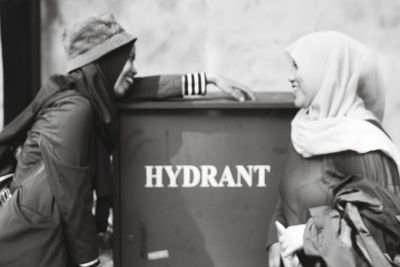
x=242, y=39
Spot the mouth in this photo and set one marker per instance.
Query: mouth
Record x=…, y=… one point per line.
x=129, y=80
x=296, y=89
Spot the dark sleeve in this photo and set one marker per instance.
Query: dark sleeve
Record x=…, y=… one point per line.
x=166, y=86
x=374, y=165
x=321, y=237
x=66, y=135
x=155, y=87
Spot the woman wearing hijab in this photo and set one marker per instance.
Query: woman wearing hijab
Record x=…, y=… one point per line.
x=46, y=218
x=336, y=134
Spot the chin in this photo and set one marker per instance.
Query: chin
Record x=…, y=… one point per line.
x=299, y=103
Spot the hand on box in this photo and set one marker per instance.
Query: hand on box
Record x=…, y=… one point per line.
x=233, y=88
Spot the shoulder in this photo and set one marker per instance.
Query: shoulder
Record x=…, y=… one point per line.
x=66, y=106
x=293, y=156
x=60, y=90
x=351, y=162
x=349, y=156
x=72, y=100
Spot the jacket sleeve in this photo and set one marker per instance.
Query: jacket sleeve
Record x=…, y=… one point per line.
x=327, y=235
x=166, y=86
x=65, y=149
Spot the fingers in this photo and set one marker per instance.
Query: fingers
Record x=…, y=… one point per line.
x=237, y=90
x=287, y=252
x=241, y=93
x=274, y=261
x=274, y=256
x=246, y=91
x=286, y=246
x=287, y=249
x=251, y=95
x=226, y=87
x=238, y=95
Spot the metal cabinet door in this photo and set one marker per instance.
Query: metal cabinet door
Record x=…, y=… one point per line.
x=197, y=226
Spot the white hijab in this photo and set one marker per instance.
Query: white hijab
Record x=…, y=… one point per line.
x=349, y=92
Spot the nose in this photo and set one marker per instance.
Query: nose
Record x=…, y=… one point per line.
x=291, y=77
x=134, y=70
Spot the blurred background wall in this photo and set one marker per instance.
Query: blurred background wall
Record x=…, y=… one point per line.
x=242, y=39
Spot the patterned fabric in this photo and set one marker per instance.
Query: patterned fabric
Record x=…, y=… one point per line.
x=194, y=84
x=92, y=38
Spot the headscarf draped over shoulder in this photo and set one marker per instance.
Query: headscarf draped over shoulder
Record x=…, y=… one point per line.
x=349, y=94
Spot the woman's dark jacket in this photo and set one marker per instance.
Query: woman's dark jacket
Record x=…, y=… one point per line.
x=49, y=221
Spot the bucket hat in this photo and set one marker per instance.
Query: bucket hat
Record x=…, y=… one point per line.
x=92, y=38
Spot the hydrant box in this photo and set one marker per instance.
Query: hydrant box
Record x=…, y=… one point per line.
x=197, y=180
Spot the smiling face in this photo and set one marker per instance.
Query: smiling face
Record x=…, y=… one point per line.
x=303, y=92
x=126, y=77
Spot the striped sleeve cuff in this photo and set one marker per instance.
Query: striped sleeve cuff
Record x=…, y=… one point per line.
x=94, y=263
x=194, y=84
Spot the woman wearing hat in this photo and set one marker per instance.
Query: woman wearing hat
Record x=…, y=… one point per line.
x=46, y=218
x=339, y=154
